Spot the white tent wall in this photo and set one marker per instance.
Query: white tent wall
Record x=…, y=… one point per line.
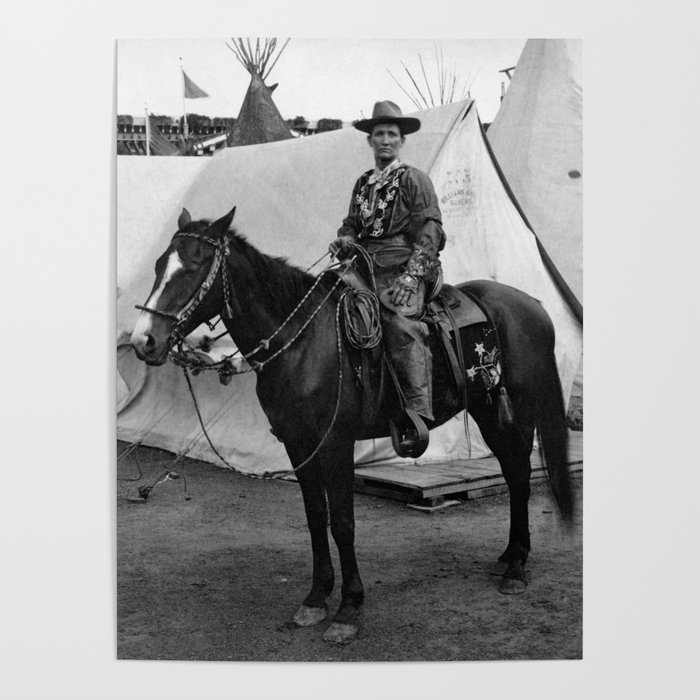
x=149, y=192
x=290, y=198
x=537, y=138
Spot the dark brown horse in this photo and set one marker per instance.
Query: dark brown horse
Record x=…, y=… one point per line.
x=306, y=387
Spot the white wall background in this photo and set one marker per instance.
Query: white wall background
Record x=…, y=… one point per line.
x=57, y=608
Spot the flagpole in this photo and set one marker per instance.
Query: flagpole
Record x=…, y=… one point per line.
x=185, y=129
x=148, y=132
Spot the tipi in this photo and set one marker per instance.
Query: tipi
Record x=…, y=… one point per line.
x=537, y=139
x=259, y=120
x=291, y=197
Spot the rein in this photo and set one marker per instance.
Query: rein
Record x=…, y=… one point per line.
x=286, y=472
x=225, y=367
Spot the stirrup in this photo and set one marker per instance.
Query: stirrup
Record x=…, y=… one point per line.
x=402, y=444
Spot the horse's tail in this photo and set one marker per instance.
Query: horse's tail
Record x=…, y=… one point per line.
x=554, y=436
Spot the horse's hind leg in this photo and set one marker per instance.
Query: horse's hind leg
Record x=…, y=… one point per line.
x=314, y=608
x=512, y=445
x=337, y=460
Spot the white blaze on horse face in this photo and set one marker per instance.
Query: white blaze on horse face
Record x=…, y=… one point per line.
x=145, y=320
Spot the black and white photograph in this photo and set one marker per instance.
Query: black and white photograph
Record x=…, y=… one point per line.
x=293, y=350
x=316, y=274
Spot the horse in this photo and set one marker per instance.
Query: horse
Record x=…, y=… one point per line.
x=285, y=322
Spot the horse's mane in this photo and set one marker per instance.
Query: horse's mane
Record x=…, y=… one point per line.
x=282, y=283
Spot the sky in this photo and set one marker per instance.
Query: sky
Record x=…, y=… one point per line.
x=331, y=78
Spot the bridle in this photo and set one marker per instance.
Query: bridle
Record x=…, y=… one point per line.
x=221, y=252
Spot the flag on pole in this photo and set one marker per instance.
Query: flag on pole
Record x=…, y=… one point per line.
x=192, y=91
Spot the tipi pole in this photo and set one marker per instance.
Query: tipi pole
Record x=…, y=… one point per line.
x=268, y=71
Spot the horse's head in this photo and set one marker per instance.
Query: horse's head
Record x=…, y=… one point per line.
x=188, y=287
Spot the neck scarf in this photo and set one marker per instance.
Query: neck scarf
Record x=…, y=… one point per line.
x=381, y=177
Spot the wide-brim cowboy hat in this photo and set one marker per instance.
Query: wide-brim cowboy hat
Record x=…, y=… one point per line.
x=388, y=113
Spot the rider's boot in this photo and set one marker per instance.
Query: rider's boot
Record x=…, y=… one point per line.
x=414, y=369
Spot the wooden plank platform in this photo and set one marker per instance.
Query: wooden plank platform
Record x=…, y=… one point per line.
x=429, y=484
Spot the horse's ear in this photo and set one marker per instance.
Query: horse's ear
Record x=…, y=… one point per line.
x=223, y=224
x=183, y=219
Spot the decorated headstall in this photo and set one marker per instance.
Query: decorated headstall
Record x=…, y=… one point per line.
x=221, y=252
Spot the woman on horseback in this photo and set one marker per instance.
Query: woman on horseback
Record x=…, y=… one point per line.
x=394, y=215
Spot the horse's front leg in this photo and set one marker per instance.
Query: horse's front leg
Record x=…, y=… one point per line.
x=314, y=608
x=337, y=461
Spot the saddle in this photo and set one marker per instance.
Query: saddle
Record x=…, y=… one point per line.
x=447, y=311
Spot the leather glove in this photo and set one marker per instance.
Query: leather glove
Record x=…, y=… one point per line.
x=404, y=290
x=341, y=247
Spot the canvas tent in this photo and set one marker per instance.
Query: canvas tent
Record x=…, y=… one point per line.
x=291, y=197
x=537, y=139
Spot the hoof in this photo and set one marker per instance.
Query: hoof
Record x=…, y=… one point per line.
x=512, y=586
x=339, y=633
x=308, y=617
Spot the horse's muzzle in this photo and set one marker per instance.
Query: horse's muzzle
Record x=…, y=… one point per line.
x=148, y=350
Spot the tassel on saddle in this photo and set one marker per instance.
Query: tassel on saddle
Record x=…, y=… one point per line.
x=449, y=307
x=506, y=415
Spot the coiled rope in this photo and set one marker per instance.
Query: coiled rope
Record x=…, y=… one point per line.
x=361, y=318
x=360, y=307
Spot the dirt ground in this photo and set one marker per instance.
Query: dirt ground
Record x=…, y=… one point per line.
x=219, y=576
